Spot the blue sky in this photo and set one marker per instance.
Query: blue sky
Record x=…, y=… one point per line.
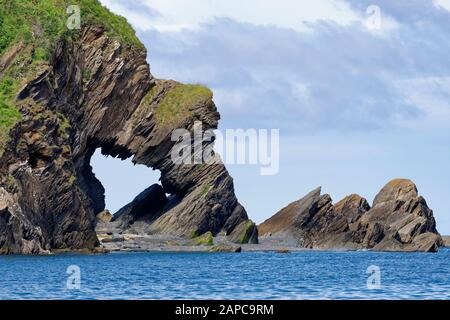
x=356, y=106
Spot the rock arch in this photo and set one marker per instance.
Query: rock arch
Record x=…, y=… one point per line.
x=99, y=93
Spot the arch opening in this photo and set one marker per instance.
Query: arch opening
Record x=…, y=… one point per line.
x=122, y=179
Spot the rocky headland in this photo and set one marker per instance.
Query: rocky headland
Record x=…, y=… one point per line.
x=64, y=94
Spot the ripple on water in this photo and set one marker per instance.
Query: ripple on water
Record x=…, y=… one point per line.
x=301, y=275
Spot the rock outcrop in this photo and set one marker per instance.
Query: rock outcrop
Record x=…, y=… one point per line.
x=98, y=92
x=399, y=220
x=104, y=217
x=221, y=248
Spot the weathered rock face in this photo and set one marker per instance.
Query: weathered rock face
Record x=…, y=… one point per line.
x=147, y=206
x=399, y=220
x=104, y=217
x=446, y=241
x=403, y=217
x=245, y=232
x=99, y=93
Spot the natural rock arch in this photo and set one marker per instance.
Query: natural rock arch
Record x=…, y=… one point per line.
x=99, y=93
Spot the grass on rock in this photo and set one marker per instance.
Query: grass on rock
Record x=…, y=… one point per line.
x=37, y=25
x=177, y=103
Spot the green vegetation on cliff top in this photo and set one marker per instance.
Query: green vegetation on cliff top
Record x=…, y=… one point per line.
x=177, y=103
x=41, y=23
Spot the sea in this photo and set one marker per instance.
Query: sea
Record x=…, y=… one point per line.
x=248, y=275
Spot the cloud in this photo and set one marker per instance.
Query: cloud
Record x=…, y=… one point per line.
x=337, y=77
x=432, y=96
x=444, y=4
x=298, y=15
x=136, y=13
x=176, y=15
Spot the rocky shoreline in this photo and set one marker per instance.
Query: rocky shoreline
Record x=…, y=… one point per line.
x=132, y=243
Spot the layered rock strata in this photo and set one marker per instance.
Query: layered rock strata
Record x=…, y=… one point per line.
x=399, y=220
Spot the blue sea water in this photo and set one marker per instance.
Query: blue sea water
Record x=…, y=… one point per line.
x=300, y=275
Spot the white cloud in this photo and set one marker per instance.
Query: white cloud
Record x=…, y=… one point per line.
x=298, y=15
x=431, y=95
x=135, y=17
x=236, y=99
x=444, y=4
x=341, y=78
x=176, y=15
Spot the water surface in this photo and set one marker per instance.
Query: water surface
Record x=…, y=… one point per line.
x=301, y=275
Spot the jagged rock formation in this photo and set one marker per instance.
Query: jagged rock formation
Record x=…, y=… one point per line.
x=98, y=92
x=399, y=220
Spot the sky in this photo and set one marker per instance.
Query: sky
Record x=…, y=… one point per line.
x=358, y=100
